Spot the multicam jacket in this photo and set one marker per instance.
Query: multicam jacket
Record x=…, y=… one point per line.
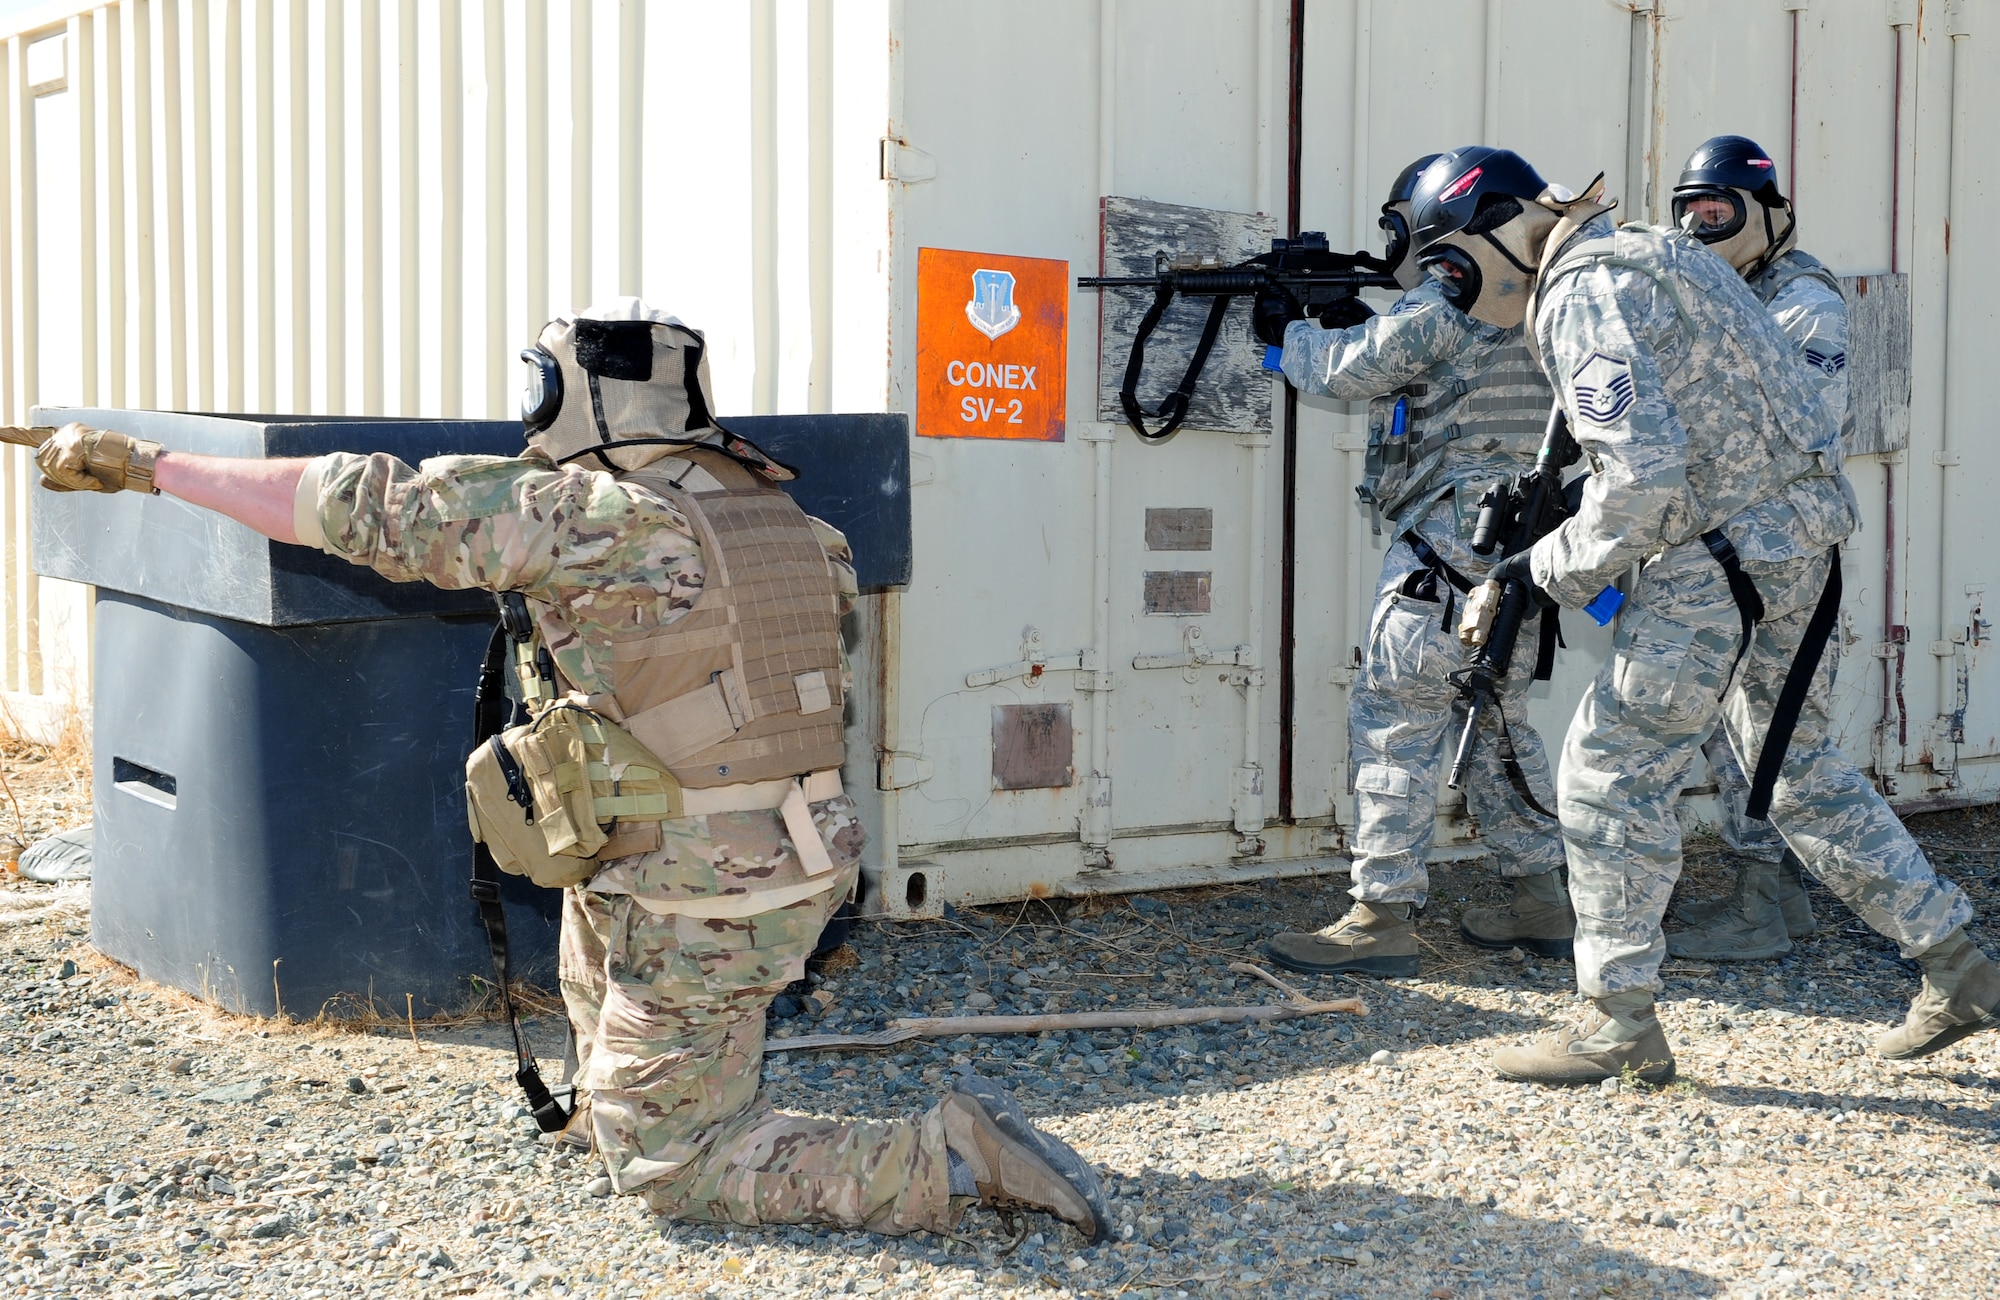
x=603, y=555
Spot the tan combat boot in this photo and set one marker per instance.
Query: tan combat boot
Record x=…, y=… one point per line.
x=1623, y=1031
x=1538, y=919
x=1961, y=996
x=1788, y=892
x=1748, y=926
x=1013, y=1163
x=1372, y=939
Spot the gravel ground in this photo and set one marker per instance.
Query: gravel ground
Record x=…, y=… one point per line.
x=153, y=1147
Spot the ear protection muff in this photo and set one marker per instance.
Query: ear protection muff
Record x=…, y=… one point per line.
x=541, y=390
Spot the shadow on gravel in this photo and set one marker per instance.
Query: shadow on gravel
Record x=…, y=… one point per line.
x=1975, y=1117
x=1247, y=1236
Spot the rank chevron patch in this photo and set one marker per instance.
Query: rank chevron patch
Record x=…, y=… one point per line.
x=1603, y=387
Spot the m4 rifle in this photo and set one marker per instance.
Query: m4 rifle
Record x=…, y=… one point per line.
x=1319, y=279
x=1513, y=516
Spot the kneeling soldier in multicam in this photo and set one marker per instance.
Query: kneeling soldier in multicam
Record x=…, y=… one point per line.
x=1716, y=466
x=1454, y=403
x=682, y=597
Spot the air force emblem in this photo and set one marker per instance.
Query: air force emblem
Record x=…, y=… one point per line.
x=1829, y=363
x=992, y=310
x=1603, y=386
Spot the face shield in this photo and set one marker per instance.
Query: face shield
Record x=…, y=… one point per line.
x=1487, y=269
x=1397, y=246
x=1720, y=217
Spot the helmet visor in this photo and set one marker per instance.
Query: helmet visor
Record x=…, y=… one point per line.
x=541, y=390
x=1395, y=237
x=1710, y=213
x=1456, y=272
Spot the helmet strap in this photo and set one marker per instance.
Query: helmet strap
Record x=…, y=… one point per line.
x=1776, y=243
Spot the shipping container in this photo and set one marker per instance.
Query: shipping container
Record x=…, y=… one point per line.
x=1118, y=665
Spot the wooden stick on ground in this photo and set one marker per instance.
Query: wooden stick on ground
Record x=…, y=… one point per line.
x=900, y=1031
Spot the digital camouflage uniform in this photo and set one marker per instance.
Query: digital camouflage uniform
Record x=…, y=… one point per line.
x=668, y=958
x=1804, y=298
x=1400, y=714
x=1696, y=413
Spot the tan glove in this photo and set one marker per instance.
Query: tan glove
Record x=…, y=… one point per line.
x=80, y=459
x=1481, y=604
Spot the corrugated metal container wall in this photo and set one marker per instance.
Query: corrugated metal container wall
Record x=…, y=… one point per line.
x=368, y=205
x=1033, y=112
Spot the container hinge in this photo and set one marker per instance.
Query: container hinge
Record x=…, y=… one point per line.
x=1947, y=458
x=1034, y=664
x=1195, y=655
x=901, y=162
x=899, y=770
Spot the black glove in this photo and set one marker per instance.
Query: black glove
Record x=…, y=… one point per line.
x=1274, y=309
x=1345, y=313
x=1515, y=568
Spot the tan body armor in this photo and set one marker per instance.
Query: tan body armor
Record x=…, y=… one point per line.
x=745, y=687
x=724, y=710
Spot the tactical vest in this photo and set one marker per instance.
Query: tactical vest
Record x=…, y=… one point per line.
x=1500, y=411
x=1726, y=475
x=1792, y=266
x=744, y=687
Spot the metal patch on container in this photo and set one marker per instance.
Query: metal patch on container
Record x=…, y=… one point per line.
x=1178, y=591
x=1180, y=528
x=1033, y=747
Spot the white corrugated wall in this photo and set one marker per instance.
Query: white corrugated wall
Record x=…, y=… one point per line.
x=369, y=206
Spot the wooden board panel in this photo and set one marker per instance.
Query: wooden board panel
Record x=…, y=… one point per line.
x=1234, y=392
x=1878, y=361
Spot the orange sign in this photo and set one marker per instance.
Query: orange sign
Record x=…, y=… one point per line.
x=992, y=345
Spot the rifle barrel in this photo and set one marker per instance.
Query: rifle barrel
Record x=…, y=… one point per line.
x=1456, y=780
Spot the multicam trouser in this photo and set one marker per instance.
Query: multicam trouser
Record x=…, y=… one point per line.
x=669, y=1018
x=1635, y=736
x=1402, y=721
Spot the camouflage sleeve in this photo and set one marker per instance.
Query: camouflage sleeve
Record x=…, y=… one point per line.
x=567, y=536
x=1382, y=353
x=1814, y=318
x=841, y=557
x=1601, y=357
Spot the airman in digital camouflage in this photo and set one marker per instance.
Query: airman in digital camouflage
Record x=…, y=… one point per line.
x=1716, y=465
x=1454, y=404
x=679, y=599
x=1728, y=199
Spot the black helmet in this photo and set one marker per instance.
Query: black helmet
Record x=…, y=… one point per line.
x=1466, y=183
x=1406, y=181
x=1709, y=205
x=1395, y=229
x=1733, y=162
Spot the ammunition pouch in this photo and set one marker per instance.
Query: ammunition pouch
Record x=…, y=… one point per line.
x=556, y=797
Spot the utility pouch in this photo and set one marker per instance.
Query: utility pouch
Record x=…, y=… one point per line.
x=557, y=797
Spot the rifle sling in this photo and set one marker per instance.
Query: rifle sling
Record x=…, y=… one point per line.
x=1550, y=635
x=1749, y=604
x=489, y=719
x=1510, y=762
x=1792, y=695
x=1174, y=406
